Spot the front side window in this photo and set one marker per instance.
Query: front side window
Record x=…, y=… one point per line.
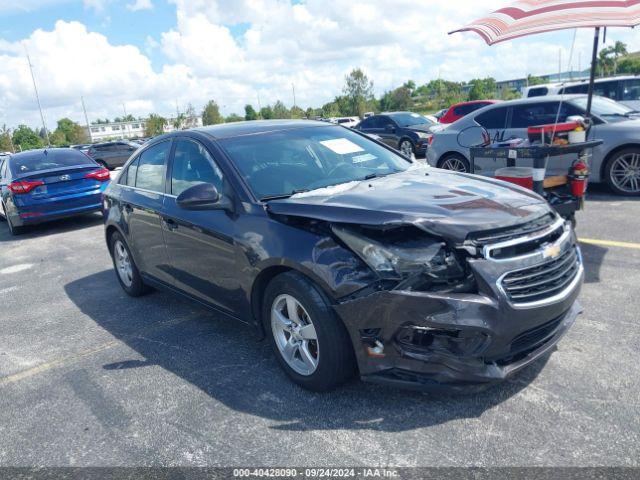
x=150, y=167
x=192, y=165
x=631, y=90
x=303, y=159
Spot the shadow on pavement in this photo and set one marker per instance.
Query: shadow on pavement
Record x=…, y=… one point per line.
x=593, y=258
x=222, y=358
x=599, y=192
x=49, y=228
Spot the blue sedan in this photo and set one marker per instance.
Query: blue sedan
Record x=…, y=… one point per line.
x=42, y=185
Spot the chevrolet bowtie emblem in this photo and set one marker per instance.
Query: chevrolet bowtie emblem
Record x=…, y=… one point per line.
x=552, y=251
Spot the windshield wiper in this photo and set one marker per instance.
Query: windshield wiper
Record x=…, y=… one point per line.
x=280, y=196
x=371, y=176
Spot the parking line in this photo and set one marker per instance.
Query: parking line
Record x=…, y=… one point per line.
x=610, y=243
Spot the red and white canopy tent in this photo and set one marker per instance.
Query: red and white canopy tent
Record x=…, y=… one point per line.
x=528, y=17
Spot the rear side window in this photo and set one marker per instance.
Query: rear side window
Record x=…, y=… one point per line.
x=495, y=118
x=38, y=160
x=630, y=90
x=192, y=165
x=524, y=116
x=538, y=92
x=151, y=167
x=575, y=89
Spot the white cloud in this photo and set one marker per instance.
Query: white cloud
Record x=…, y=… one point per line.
x=235, y=50
x=140, y=5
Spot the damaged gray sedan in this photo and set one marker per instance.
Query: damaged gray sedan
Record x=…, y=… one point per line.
x=349, y=258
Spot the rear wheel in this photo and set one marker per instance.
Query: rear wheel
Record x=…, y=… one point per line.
x=455, y=162
x=13, y=229
x=622, y=172
x=126, y=270
x=311, y=344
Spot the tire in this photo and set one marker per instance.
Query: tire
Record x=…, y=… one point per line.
x=131, y=282
x=622, y=172
x=406, y=147
x=455, y=162
x=331, y=349
x=13, y=230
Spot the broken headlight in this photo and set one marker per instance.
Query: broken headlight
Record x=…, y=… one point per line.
x=402, y=254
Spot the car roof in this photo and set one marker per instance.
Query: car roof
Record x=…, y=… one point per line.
x=544, y=98
x=255, y=127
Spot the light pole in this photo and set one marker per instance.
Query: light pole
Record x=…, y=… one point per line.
x=35, y=89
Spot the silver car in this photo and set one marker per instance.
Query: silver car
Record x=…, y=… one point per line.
x=616, y=161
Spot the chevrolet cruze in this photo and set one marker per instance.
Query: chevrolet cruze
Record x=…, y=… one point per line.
x=345, y=255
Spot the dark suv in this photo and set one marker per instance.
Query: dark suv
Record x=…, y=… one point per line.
x=345, y=255
x=404, y=131
x=112, y=154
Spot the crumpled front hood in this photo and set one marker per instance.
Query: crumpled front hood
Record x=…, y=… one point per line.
x=447, y=204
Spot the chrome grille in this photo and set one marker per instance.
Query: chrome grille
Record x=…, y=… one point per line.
x=543, y=280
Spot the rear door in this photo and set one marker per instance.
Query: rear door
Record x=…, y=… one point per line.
x=141, y=203
x=200, y=244
x=494, y=121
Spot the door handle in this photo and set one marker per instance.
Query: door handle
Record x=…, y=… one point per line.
x=170, y=224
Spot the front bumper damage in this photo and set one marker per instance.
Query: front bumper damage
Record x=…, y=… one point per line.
x=431, y=341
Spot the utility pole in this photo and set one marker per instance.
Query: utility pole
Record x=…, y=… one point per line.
x=35, y=89
x=293, y=87
x=124, y=120
x=259, y=106
x=86, y=119
x=559, y=64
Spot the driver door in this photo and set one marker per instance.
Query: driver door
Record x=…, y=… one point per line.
x=200, y=245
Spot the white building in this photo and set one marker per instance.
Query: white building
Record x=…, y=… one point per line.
x=101, y=132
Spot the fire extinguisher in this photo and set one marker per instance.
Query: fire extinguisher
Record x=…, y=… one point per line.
x=578, y=177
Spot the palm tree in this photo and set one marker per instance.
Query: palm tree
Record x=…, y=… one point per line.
x=619, y=49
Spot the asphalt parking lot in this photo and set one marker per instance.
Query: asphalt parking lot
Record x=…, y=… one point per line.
x=91, y=377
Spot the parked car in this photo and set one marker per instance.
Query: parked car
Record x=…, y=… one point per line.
x=347, y=256
x=112, y=154
x=440, y=113
x=42, y=185
x=623, y=89
x=349, y=122
x=405, y=131
x=459, y=110
x=616, y=161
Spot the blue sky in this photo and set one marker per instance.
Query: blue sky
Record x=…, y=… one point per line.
x=152, y=55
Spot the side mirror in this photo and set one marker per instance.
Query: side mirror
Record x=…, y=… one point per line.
x=390, y=128
x=203, y=196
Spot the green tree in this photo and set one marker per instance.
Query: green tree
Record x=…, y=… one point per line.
x=68, y=133
x=179, y=121
x=533, y=80
x=155, y=125
x=250, y=113
x=234, y=117
x=358, y=90
x=280, y=111
x=24, y=138
x=266, y=113
x=398, y=99
x=482, y=88
x=297, y=112
x=629, y=65
x=211, y=114
x=6, y=143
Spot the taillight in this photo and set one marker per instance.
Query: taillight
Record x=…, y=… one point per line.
x=430, y=139
x=101, y=175
x=24, y=186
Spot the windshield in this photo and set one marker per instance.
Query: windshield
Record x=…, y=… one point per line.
x=279, y=164
x=409, y=119
x=605, y=108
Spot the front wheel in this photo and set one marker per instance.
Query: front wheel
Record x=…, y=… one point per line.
x=311, y=344
x=455, y=162
x=622, y=172
x=406, y=148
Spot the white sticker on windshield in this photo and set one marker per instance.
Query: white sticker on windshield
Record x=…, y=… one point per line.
x=363, y=158
x=342, y=146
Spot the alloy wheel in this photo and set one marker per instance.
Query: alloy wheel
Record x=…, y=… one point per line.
x=406, y=148
x=123, y=263
x=454, y=164
x=625, y=172
x=295, y=334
